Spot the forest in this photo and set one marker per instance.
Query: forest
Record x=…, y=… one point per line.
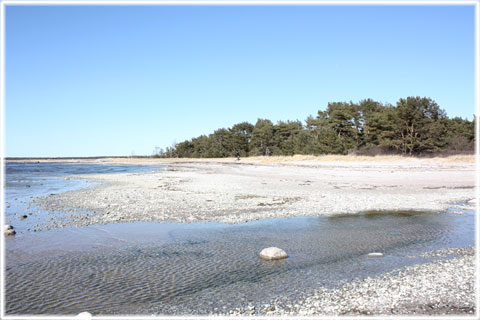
x=414, y=126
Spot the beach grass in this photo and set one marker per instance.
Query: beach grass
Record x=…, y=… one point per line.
x=469, y=158
x=324, y=158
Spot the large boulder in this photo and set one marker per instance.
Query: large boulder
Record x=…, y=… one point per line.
x=273, y=253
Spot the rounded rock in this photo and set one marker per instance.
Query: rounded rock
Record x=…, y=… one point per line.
x=273, y=253
x=8, y=230
x=84, y=315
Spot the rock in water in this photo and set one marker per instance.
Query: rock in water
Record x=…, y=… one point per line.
x=273, y=253
x=8, y=230
x=84, y=315
x=375, y=255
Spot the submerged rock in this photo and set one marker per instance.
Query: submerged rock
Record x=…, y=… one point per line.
x=273, y=253
x=8, y=230
x=375, y=255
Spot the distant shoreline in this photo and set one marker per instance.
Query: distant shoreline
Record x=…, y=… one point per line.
x=72, y=158
x=470, y=158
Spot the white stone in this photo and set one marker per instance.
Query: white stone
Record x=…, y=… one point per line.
x=84, y=315
x=8, y=230
x=273, y=253
x=375, y=255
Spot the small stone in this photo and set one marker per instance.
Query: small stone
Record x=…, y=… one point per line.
x=375, y=255
x=273, y=253
x=24, y=216
x=269, y=307
x=8, y=230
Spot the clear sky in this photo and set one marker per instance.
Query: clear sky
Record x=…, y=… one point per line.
x=117, y=80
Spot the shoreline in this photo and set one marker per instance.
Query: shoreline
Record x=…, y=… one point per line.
x=468, y=158
x=442, y=287
x=238, y=192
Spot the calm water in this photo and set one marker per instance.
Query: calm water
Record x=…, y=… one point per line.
x=25, y=181
x=167, y=268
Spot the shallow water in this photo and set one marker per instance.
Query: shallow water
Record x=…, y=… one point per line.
x=26, y=181
x=163, y=268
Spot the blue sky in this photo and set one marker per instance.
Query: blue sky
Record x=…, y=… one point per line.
x=117, y=80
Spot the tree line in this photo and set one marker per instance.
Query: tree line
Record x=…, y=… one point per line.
x=414, y=126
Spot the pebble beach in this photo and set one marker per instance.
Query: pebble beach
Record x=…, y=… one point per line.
x=233, y=192
x=444, y=287
x=241, y=191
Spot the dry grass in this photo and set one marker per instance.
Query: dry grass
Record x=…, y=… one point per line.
x=352, y=158
x=325, y=158
x=460, y=158
x=282, y=159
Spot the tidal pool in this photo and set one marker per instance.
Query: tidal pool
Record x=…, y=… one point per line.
x=168, y=268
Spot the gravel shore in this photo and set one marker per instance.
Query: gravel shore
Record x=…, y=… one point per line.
x=443, y=287
x=235, y=192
